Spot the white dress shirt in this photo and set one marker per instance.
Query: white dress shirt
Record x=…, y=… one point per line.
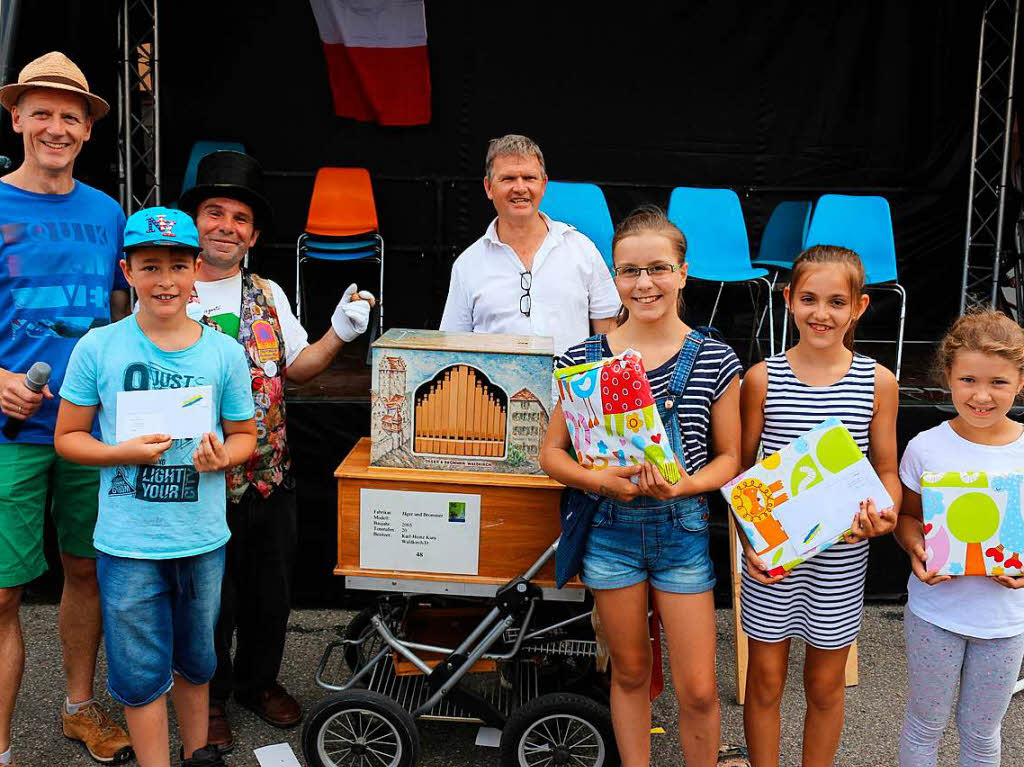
x=570, y=285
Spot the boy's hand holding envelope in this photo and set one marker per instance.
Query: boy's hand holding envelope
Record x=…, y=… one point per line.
x=143, y=450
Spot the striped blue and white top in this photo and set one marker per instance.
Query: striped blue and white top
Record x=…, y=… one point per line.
x=713, y=370
x=822, y=600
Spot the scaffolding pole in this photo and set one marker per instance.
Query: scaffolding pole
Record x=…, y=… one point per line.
x=138, y=101
x=990, y=153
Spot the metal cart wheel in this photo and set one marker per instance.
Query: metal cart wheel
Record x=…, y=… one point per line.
x=356, y=728
x=559, y=730
x=357, y=656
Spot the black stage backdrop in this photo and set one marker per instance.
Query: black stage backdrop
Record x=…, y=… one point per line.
x=783, y=99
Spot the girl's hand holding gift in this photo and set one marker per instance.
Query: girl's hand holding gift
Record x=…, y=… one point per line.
x=757, y=569
x=1009, y=581
x=870, y=523
x=652, y=483
x=614, y=482
x=919, y=564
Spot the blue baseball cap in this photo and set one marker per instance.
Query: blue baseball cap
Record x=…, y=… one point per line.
x=162, y=228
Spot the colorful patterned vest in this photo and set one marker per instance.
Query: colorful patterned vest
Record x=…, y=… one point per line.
x=259, y=332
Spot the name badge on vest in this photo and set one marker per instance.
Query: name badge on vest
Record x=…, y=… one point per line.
x=266, y=341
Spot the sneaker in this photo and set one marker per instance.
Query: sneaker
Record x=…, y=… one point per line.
x=104, y=739
x=207, y=756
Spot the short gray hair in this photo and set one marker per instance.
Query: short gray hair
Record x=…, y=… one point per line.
x=512, y=145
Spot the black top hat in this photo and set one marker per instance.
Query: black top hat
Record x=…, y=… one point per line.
x=229, y=174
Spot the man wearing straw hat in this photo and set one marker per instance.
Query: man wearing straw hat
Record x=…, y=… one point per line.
x=60, y=244
x=231, y=210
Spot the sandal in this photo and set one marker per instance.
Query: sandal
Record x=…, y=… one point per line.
x=733, y=756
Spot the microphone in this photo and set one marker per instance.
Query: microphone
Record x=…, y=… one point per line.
x=37, y=377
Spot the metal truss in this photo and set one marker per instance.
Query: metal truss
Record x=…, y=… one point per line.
x=990, y=152
x=138, y=101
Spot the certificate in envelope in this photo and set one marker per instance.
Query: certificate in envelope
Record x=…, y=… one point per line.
x=182, y=413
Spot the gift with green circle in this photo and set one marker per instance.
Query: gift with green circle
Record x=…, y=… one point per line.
x=973, y=523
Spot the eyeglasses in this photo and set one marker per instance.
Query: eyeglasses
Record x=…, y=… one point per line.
x=525, y=282
x=654, y=271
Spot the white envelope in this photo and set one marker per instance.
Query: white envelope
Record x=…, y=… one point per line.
x=181, y=413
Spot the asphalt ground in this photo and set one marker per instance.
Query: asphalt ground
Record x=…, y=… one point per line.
x=874, y=709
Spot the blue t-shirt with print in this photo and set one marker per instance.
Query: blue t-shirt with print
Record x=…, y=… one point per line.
x=59, y=257
x=169, y=509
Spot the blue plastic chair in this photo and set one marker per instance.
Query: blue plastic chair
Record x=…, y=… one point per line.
x=864, y=225
x=781, y=242
x=584, y=207
x=784, y=234
x=199, y=150
x=717, y=246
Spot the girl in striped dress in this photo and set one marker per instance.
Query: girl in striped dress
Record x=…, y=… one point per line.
x=648, y=531
x=821, y=600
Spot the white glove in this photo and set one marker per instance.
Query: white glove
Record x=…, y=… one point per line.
x=352, y=314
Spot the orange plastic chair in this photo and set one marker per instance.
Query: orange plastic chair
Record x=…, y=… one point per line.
x=342, y=204
x=341, y=226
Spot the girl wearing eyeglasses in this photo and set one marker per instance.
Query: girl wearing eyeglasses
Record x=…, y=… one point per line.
x=647, y=532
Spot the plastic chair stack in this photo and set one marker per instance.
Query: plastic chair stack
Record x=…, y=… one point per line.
x=717, y=246
x=584, y=207
x=864, y=225
x=342, y=226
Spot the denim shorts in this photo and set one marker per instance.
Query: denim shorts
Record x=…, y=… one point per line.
x=158, y=618
x=664, y=542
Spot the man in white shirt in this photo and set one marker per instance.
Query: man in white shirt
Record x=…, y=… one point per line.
x=528, y=275
x=230, y=210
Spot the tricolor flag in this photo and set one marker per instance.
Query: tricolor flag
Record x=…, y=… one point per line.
x=377, y=59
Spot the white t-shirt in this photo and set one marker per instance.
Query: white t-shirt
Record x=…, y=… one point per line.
x=970, y=605
x=224, y=297
x=570, y=285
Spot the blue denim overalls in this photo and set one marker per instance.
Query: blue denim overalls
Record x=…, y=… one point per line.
x=664, y=542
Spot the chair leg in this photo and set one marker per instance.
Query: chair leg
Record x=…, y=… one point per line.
x=899, y=338
x=760, y=323
x=771, y=319
x=298, y=285
x=714, y=309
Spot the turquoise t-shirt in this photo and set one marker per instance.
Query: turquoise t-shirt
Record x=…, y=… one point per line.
x=169, y=509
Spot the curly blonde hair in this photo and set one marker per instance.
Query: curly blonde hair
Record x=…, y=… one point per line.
x=988, y=332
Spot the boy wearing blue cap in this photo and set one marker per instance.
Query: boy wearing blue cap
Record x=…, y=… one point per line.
x=161, y=528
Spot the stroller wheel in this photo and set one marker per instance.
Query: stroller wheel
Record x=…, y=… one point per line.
x=559, y=729
x=355, y=728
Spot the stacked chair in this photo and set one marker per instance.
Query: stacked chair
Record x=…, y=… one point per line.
x=342, y=227
x=584, y=207
x=863, y=224
x=781, y=243
x=717, y=246
x=199, y=150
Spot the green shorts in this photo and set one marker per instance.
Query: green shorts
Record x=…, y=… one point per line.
x=32, y=477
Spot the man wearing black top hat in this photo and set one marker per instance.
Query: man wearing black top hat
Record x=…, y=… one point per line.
x=231, y=209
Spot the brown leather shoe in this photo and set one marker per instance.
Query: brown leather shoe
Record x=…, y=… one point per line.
x=274, y=706
x=219, y=731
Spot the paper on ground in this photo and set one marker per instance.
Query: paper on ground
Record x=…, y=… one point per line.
x=489, y=737
x=277, y=755
x=181, y=413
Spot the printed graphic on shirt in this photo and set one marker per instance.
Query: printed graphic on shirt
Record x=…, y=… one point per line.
x=48, y=301
x=173, y=479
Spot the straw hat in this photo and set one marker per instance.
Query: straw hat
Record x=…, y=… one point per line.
x=53, y=70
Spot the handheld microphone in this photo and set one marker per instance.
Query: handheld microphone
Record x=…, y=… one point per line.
x=37, y=377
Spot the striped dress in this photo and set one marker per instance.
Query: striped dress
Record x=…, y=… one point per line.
x=822, y=599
